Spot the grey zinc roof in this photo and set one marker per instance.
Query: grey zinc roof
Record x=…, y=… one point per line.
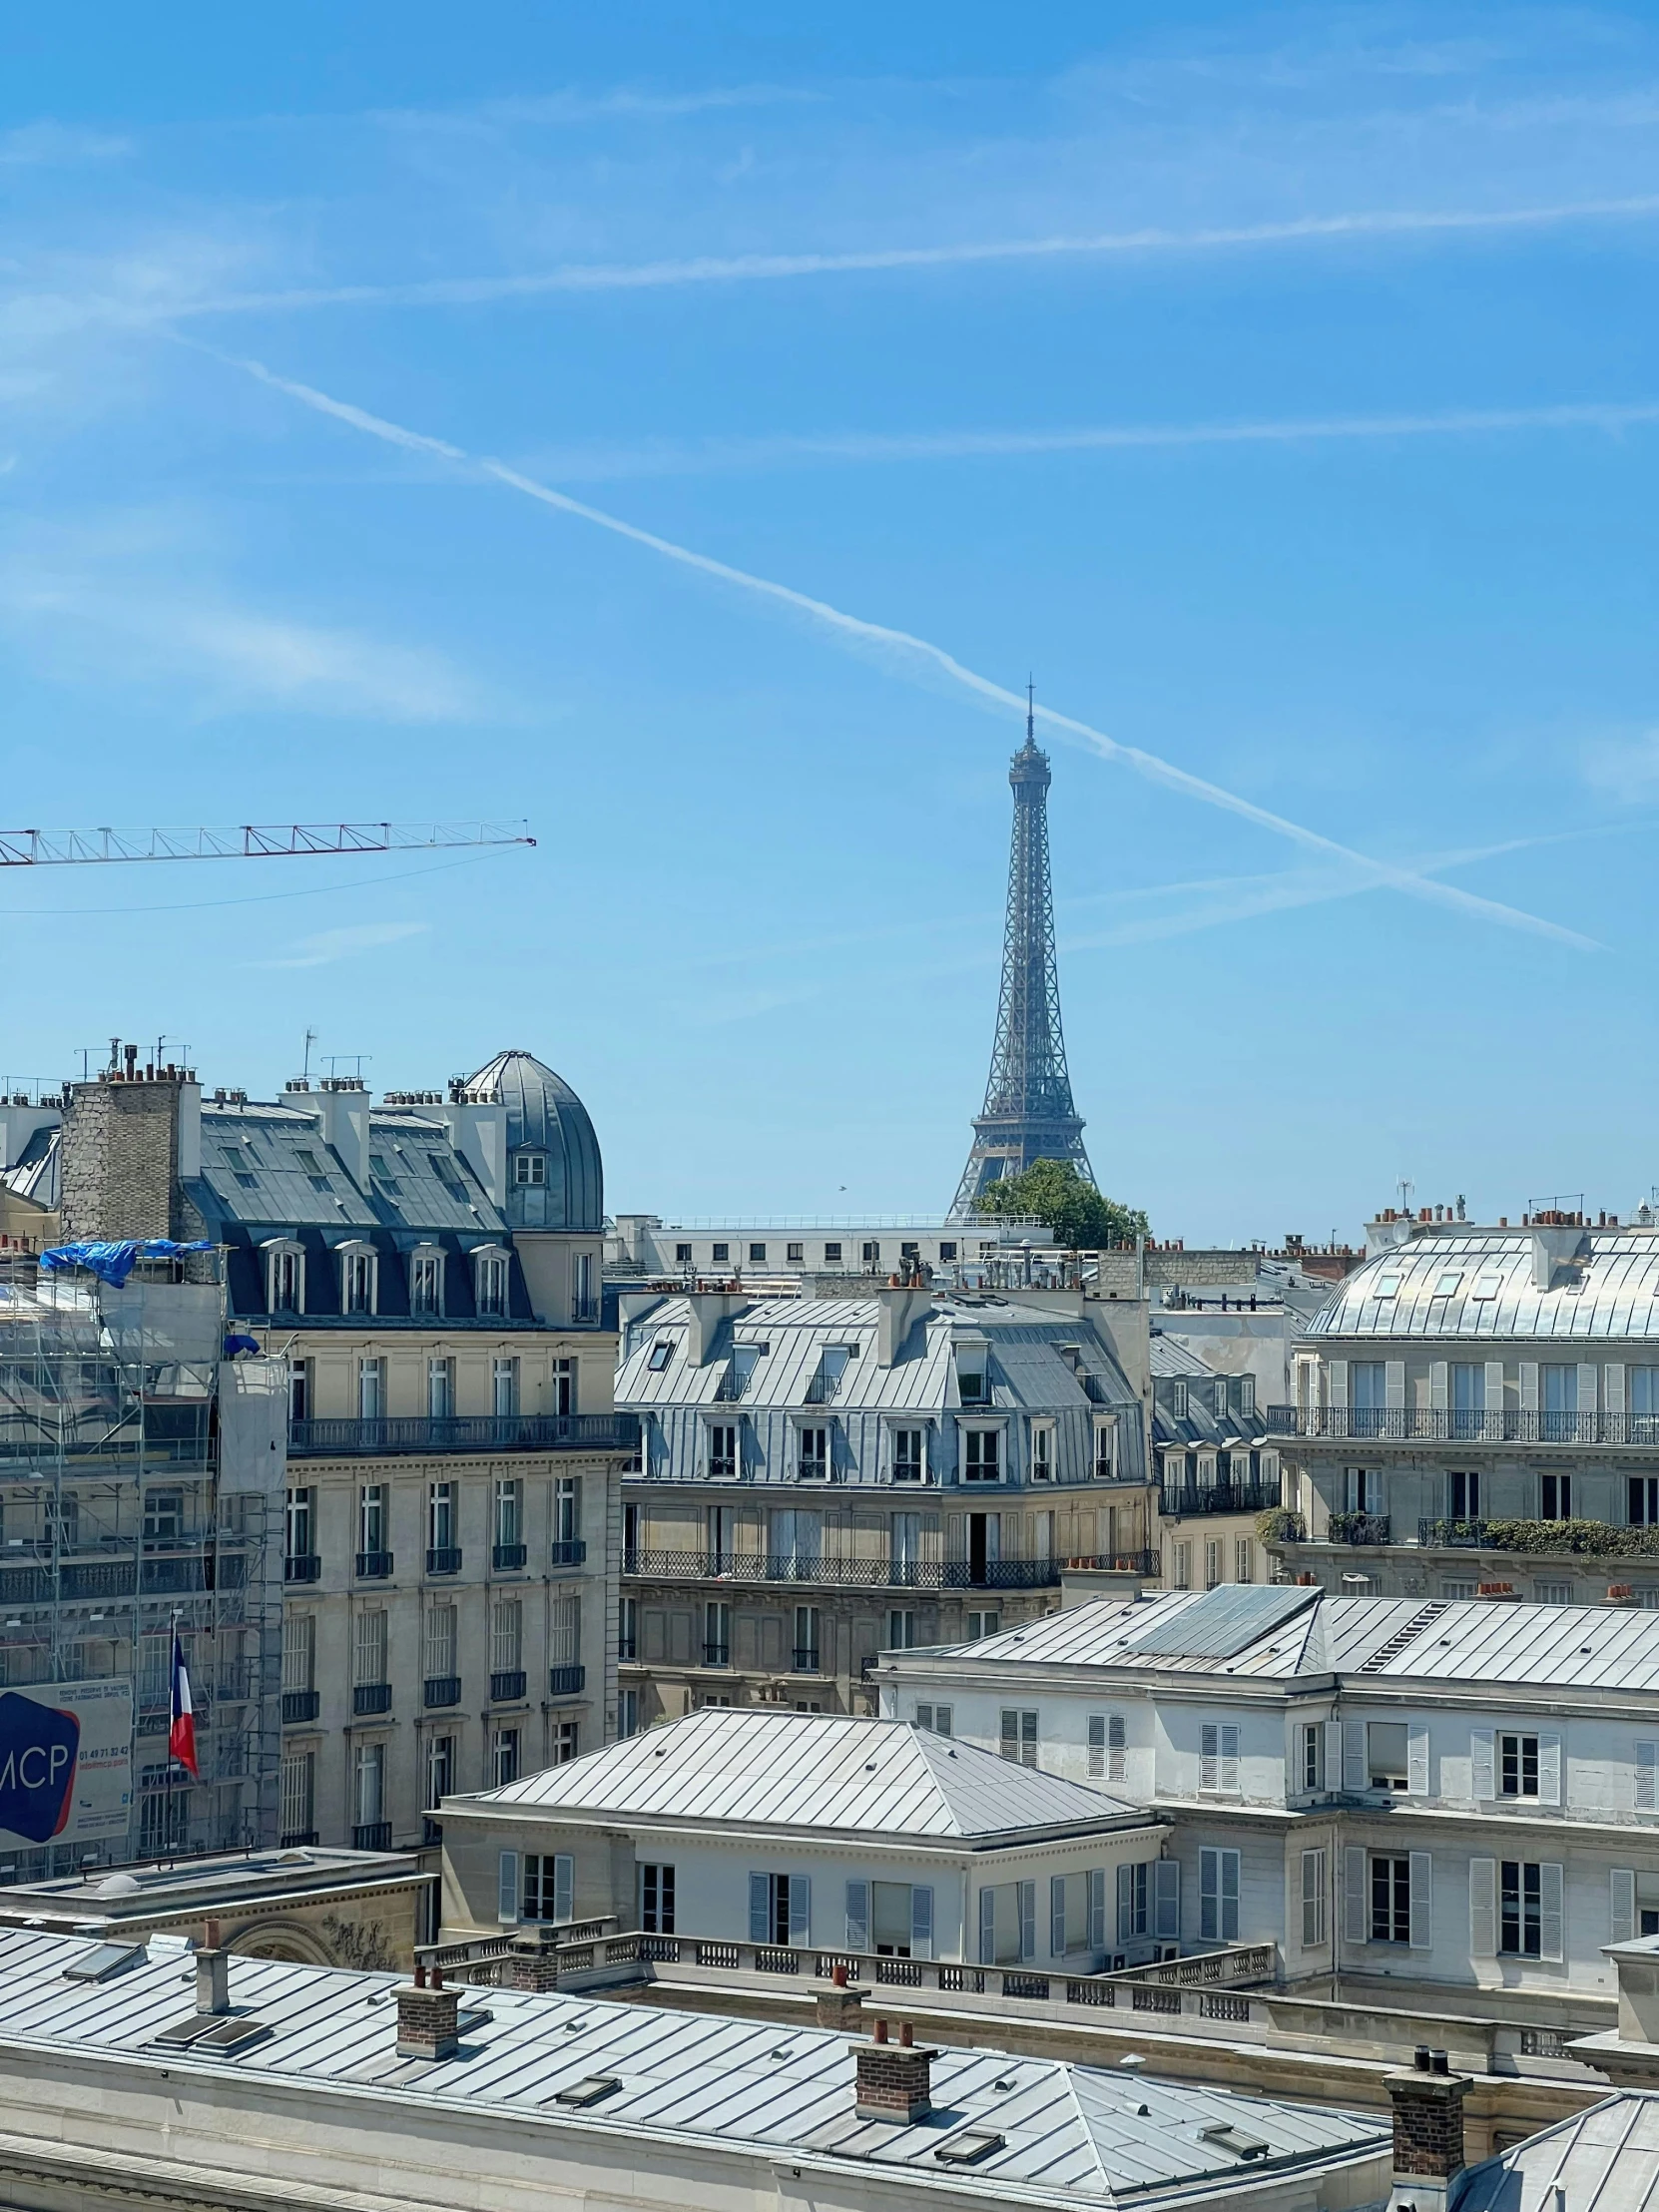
x=1609, y=1287
x=1606, y=2158
x=764, y=1768
x=274, y=1145
x=1068, y=2132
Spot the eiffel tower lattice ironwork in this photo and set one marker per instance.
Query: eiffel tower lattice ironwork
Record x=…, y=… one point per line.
x=1028, y=1114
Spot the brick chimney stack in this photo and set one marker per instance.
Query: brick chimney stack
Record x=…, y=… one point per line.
x=131, y=1138
x=429, y=2017
x=894, y=2080
x=212, y=1972
x=840, y=2006
x=1427, y=2099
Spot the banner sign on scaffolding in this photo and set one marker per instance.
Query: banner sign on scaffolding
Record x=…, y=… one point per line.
x=66, y=1763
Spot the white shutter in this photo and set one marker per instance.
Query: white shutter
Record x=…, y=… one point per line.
x=564, y=1885
x=1439, y=1396
x=1056, y=1916
x=1422, y=1896
x=1209, y=1759
x=1229, y=1758
x=1613, y=1386
x=1333, y=1754
x=801, y=1908
x=1356, y=1913
x=1586, y=1396
x=1126, y=1902
x=1027, y=1919
x=1096, y=1887
x=759, y=1897
x=1622, y=1903
x=1647, y=1774
x=506, y=1910
x=1551, y=1910
x=1166, y=1898
x=1549, y=1770
x=1209, y=1895
x=858, y=1914
x=1529, y=1385
x=1483, y=1779
x=1393, y=1385
x=987, y=1928
x=1354, y=1756
x=1495, y=1398
x=1483, y=1908
x=1097, y=1747
x=921, y=1922
x=1417, y=1759
x=1117, y=1746
x=1335, y=1382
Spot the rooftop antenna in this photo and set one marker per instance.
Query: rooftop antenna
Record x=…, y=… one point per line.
x=311, y=1039
x=1030, y=711
x=1407, y=1188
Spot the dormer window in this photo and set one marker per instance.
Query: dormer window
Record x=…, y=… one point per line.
x=832, y=1369
x=490, y=1283
x=285, y=1277
x=359, y=1284
x=741, y=1372
x=973, y=1374
x=530, y=1168
x=426, y=1282
x=1178, y=1398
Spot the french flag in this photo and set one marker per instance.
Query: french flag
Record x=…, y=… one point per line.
x=180, y=1736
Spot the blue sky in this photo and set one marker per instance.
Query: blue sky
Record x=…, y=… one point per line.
x=1278, y=388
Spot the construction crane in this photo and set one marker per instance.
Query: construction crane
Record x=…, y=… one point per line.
x=249, y=842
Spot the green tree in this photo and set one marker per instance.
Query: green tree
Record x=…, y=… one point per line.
x=1075, y=1213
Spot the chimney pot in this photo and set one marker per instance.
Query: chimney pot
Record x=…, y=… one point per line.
x=837, y=1975
x=420, y=1974
x=880, y=2031
x=907, y=2036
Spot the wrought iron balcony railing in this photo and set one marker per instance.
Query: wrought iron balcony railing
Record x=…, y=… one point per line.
x=508, y=1558
x=374, y=1566
x=855, y=1574
x=566, y=1681
x=1218, y=1497
x=464, y=1433
x=1457, y=1425
x=299, y=1706
x=1358, y=1528
x=443, y=1559
x=569, y=1552
x=372, y=1697
x=442, y=1689
x=371, y=1836
x=304, y=1566
x=507, y=1685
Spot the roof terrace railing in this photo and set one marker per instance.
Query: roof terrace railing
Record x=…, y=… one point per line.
x=464, y=1433
x=1218, y=1497
x=1459, y=1424
x=858, y=1574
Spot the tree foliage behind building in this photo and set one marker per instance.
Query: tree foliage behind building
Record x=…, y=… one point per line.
x=1074, y=1211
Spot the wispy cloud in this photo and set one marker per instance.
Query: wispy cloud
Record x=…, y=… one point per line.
x=46, y=143
x=329, y=946
x=919, y=656
x=1626, y=768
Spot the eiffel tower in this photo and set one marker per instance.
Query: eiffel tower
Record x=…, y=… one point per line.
x=1028, y=1113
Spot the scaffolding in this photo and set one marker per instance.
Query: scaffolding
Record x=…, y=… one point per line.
x=141, y=1481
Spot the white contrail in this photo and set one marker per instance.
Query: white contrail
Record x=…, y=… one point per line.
x=900, y=642
x=710, y=268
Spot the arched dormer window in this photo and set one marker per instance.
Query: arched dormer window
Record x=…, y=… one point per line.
x=359, y=1279
x=284, y=1276
x=489, y=1279
x=427, y=1280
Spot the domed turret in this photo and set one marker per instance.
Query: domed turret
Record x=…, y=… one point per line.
x=555, y=1178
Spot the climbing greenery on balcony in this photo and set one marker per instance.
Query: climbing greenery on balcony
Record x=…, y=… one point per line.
x=1601, y=1538
x=1279, y=1526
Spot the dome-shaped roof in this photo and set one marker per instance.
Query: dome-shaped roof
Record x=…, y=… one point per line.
x=546, y=1121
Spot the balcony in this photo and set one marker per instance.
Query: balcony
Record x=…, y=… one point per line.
x=299, y=1706
x=371, y=1836
x=443, y=1559
x=566, y=1681
x=508, y=1558
x=1358, y=1529
x=304, y=1566
x=297, y=1839
x=813, y=1469
x=1147, y=1564
x=442, y=1689
x=374, y=1566
x=372, y=1697
x=1219, y=1497
x=849, y=1574
x=569, y=1552
x=312, y=1440
x=805, y=1659
x=1596, y=1539
x=507, y=1685
x=1455, y=1425
x=716, y=1655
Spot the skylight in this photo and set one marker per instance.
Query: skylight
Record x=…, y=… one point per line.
x=1488, y=1286
x=1388, y=1286
x=1447, y=1285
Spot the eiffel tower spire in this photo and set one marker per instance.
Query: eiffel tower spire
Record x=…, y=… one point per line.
x=1028, y=1113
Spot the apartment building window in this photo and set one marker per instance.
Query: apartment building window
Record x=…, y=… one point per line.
x=503, y=1757
x=1552, y=1593
x=1521, y=1909
x=284, y=1278
x=905, y=1548
x=1008, y=1924
x=1217, y=1896
x=490, y=1283
x=371, y=1519
x=1388, y=1754
x=508, y=1518
x=504, y=1388
x=1212, y=1564
x=779, y=1908
x=300, y=1390
x=1315, y=1892
x=814, y=1454
x=1018, y=1736
x=368, y=1668
x=717, y=1633
x=808, y=1645
x=426, y=1284
x=1518, y=1766
x=438, y=1642
x=795, y=1545
x=440, y=1770
x=936, y=1719
x=549, y=1885
x=567, y=1741
x=1390, y=1898
x=1244, y=1559
x=657, y=1900
x=719, y=1252
x=756, y=1254
x=371, y=1390
x=795, y=1253
x=723, y=1451
x=298, y=1813
x=299, y=1656
x=983, y=1459
x=564, y=1630
x=833, y=1363
x=1134, y=1900
x=1182, y=1566
x=1464, y=1493
x=901, y=1630
x=163, y=1517
x=1108, y=1746
x=973, y=1374
x=368, y=1785
x=507, y=1636
x=1643, y=1501
x=1042, y=1451
x=1218, y=1756
x=682, y=1255
x=872, y=1255
x=1468, y=1397
x=441, y=1517
x=831, y=1254
x=1362, y=1490
x=561, y=1388
x=567, y=1519
x=982, y=1624
x=740, y=1371
x=441, y=1389
x=299, y=1523
x=359, y=1268
x=626, y=1714
x=1555, y=1497
x=530, y=1170
x=1312, y=1755
x=910, y=1454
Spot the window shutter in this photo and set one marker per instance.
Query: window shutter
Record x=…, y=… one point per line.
x=1586, y=1396
x=1439, y=1396
x=760, y=1895
x=1354, y=1755
x=1355, y=1917
x=1551, y=1910
x=1056, y=1916
x=1549, y=1770
x=921, y=1922
x=1622, y=1903
x=1095, y=1887
x=1231, y=1860
x=1647, y=1771
x=1097, y=1746
x=1336, y=1378
x=1417, y=1759
x=1027, y=1919
x=1333, y=1754
x=987, y=1928
x=1126, y=1902
x=1483, y=1908
x=1393, y=1385
x=1420, y=1893
x=858, y=1914
x=506, y=1910
x=1117, y=1746
x=1229, y=1758
x=1209, y=1895
x=1166, y=1898
x=1495, y=1398
x=1613, y=1386
x=801, y=1908
x=1529, y=1385
x=1209, y=1761
x=1483, y=1782
x=564, y=1885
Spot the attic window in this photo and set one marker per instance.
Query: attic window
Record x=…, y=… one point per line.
x=589, y=2090
x=1228, y=2137
x=378, y=1163
x=309, y=1161
x=103, y=1961
x=1388, y=1286
x=530, y=1167
x=1178, y=1398
x=1488, y=1285
x=969, y=2146
x=1446, y=1285
x=661, y=1354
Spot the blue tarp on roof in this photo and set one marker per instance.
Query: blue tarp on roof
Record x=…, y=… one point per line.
x=113, y=1262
